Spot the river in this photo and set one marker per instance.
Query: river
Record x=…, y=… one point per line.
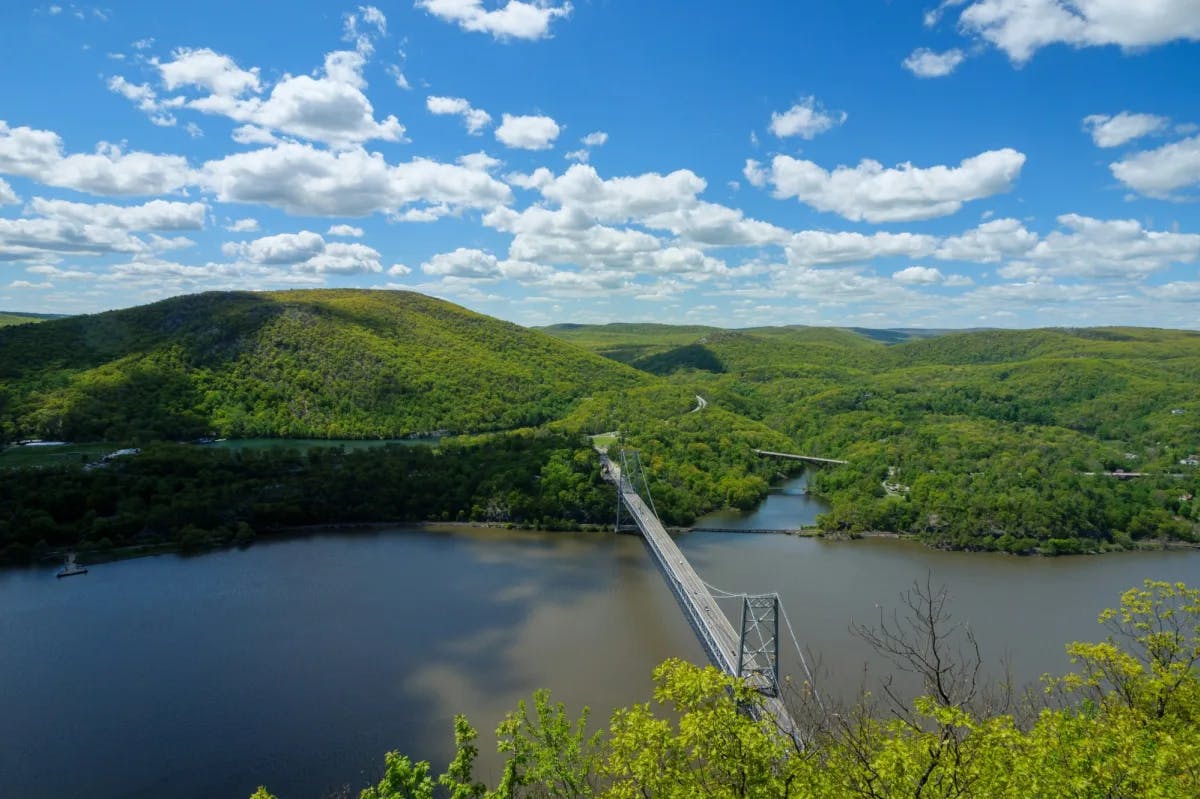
x=297, y=663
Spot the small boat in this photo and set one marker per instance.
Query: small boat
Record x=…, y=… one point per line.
x=71, y=568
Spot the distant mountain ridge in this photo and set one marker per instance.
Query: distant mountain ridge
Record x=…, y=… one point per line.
x=23, y=318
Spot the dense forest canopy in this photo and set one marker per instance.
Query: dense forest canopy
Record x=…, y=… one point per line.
x=1018, y=441
x=988, y=439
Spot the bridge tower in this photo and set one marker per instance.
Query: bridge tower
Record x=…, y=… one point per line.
x=758, y=647
x=632, y=474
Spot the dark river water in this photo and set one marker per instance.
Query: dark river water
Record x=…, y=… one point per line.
x=298, y=663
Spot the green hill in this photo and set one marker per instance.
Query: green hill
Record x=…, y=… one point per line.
x=325, y=364
x=993, y=439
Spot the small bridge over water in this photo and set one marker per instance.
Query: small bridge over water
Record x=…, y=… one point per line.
x=805, y=458
x=754, y=653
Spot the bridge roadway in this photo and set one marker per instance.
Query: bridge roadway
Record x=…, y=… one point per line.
x=807, y=458
x=720, y=641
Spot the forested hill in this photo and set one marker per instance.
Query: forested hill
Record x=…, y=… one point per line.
x=326, y=363
x=992, y=439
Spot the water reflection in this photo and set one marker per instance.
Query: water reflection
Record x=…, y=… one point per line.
x=298, y=663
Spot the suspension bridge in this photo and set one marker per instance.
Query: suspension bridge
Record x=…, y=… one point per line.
x=751, y=654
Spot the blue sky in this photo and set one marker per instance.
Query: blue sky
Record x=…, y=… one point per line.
x=1010, y=163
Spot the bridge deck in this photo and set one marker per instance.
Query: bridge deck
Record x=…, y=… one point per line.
x=792, y=456
x=720, y=641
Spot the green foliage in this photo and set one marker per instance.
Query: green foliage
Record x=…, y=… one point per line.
x=990, y=440
x=319, y=364
x=1127, y=724
x=993, y=440
x=197, y=497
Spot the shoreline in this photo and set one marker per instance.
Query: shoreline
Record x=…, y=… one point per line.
x=98, y=556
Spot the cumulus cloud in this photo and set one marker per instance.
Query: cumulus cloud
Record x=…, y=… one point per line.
x=873, y=193
x=818, y=247
x=805, y=119
x=1022, y=27
x=154, y=215
x=306, y=252
x=474, y=118
x=991, y=242
x=1113, y=131
x=305, y=180
x=1161, y=171
x=925, y=63
x=245, y=225
x=7, y=195
x=463, y=262
x=79, y=229
x=623, y=198
x=345, y=230
x=1116, y=248
x=919, y=276
x=329, y=108
x=527, y=132
x=514, y=20
x=38, y=155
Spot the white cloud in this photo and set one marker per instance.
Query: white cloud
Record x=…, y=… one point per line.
x=990, y=242
x=623, y=198
x=397, y=75
x=372, y=18
x=474, y=118
x=146, y=99
x=398, y=270
x=252, y=134
x=1159, y=172
x=7, y=195
x=1021, y=27
x=716, y=225
x=304, y=180
x=207, y=69
x=463, y=262
x=480, y=161
x=925, y=63
x=343, y=259
x=919, y=276
x=805, y=119
x=1113, y=131
x=154, y=215
x=329, y=108
x=817, y=247
x=527, y=132
x=590, y=141
x=596, y=138
x=245, y=225
x=1117, y=248
x=22, y=239
x=515, y=20
x=306, y=252
x=38, y=155
x=875, y=194
x=345, y=230
x=284, y=248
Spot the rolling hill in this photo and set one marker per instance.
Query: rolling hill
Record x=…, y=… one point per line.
x=325, y=364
